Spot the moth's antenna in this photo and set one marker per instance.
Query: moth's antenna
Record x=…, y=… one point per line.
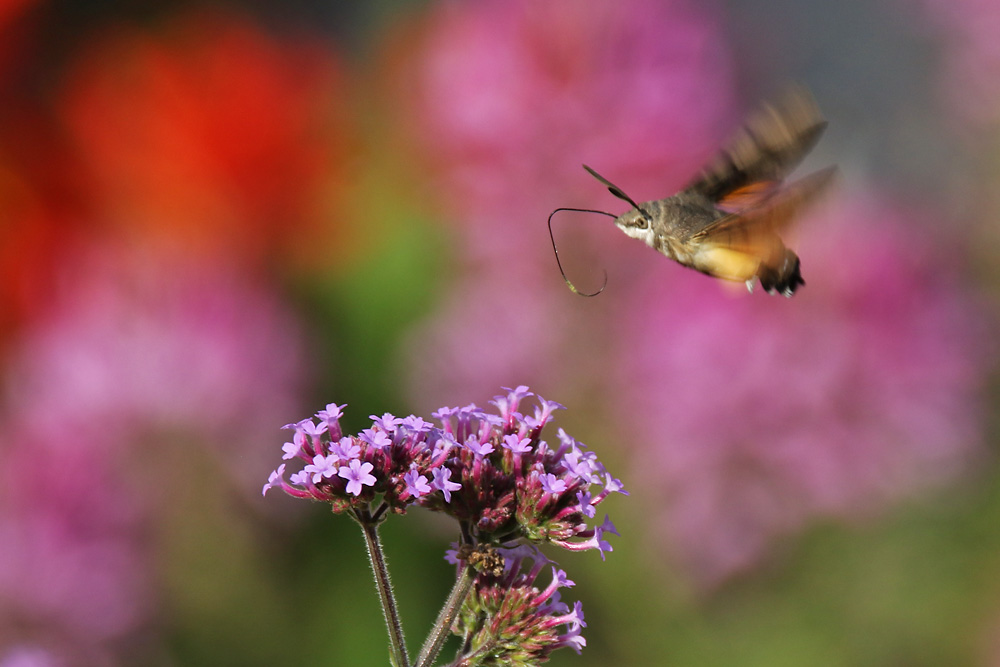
x=556, y=250
x=618, y=192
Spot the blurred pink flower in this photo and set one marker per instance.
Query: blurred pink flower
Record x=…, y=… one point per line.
x=140, y=352
x=970, y=76
x=510, y=96
x=754, y=415
x=142, y=339
x=73, y=570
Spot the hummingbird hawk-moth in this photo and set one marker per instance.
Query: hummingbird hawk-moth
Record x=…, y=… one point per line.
x=726, y=222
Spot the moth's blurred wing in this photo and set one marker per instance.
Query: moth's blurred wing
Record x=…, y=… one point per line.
x=743, y=230
x=773, y=141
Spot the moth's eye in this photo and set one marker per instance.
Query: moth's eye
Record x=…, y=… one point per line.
x=641, y=222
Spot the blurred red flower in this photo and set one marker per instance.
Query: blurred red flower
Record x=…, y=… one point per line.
x=208, y=132
x=204, y=133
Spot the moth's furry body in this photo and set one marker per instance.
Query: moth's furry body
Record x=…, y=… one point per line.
x=684, y=228
x=725, y=223
x=688, y=213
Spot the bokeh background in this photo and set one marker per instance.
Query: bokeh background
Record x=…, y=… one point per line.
x=215, y=218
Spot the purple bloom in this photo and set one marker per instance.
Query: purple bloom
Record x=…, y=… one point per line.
x=416, y=484
x=442, y=414
x=312, y=429
x=552, y=484
x=544, y=412
x=443, y=444
x=386, y=422
x=442, y=483
x=581, y=464
x=377, y=439
x=298, y=426
x=583, y=499
x=531, y=622
x=416, y=424
x=516, y=444
x=525, y=495
x=294, y=448
x=331, y=414
x=322, y=466
x=273, y=479
x=358, y=475
x=345, y=449
x=478, y=448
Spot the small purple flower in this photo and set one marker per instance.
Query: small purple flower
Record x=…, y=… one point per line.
x=543, y=413
x=443, y=414
x=507, y=405
x=607, y=527
x=331, y=414
x=377, y=439
x=416, y=484
x=580, y=463
x=274, y=479
x=478, y=448
x=613, y=485
x=291, y=450
x=583, y=498
x=444, y=444
x=516, y=444
x=387, y=422
x=416, y=424
x=442, y=477
x=322, y=466
x=358, y=475
x=345, y=449
x=552, y=484
x=312, y=429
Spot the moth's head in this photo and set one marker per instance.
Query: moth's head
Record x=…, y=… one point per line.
x=637, y=224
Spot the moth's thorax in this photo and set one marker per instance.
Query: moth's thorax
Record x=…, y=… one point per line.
x=670, y=223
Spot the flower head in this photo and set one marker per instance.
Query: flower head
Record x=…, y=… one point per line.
x=503, y=482
x=524, y=624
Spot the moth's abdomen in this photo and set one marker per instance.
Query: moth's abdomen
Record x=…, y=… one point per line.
x=783, y=277
x=775, y=266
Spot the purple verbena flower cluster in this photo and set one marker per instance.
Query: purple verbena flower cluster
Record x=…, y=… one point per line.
x=491, y=471
x=508, y=618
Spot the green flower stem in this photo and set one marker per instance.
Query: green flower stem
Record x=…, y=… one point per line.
x=442, y=626
x=397, y=641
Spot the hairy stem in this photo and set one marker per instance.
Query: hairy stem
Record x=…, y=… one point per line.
x=442, y=626
x=376, y=555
